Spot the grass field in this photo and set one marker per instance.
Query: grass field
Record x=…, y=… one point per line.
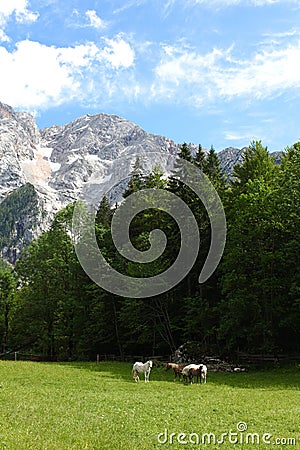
x=84, y=405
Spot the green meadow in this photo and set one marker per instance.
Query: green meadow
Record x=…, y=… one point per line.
x=61, y=406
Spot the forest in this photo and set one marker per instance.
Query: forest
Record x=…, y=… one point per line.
x=50, y=307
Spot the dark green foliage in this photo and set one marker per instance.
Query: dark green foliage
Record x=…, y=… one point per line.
x=4, y=266
x=261, y=261
x=287, y=204
x=257, y=165
x=251, y=303
x=20, y=204
x=7, y=305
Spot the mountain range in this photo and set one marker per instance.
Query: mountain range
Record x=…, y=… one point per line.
x=41, y=171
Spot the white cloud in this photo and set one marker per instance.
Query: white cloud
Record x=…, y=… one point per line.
x=129, y=4
x=3, y=37
x=183, y=74
x=79, y=56
x=90, y=19
x=194, y=78
x=17, y=7
x=238, y=2
x=284, y=33
x=95, y=21
x=118, y=53
x=38, y=76
x=268, y=73
x=239, y=136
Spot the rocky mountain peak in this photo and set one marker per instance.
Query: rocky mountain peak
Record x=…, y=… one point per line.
x=6, y=111
x=59, y=160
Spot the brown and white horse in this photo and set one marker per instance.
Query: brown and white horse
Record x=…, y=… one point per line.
x=177, y=368
x=200, y=373
x=195, y=370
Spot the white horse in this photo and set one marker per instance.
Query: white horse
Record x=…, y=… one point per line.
x=139, y=367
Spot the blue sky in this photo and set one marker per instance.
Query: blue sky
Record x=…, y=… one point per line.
x=215, y=72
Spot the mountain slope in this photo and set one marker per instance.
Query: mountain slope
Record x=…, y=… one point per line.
x=58, y=162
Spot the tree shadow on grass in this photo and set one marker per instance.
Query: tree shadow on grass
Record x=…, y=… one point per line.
x=280, y=379
x=107, y=369
x=119, y=370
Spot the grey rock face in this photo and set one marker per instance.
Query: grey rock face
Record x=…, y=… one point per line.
x=19, y=136
x=94, y=146
x=229, y=157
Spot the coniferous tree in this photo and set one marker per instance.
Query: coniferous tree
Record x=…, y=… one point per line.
x=212, y=169
x=136, y=181
x=200, y=158
x=104, y=213
x=156, y=180
x=185, y=152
